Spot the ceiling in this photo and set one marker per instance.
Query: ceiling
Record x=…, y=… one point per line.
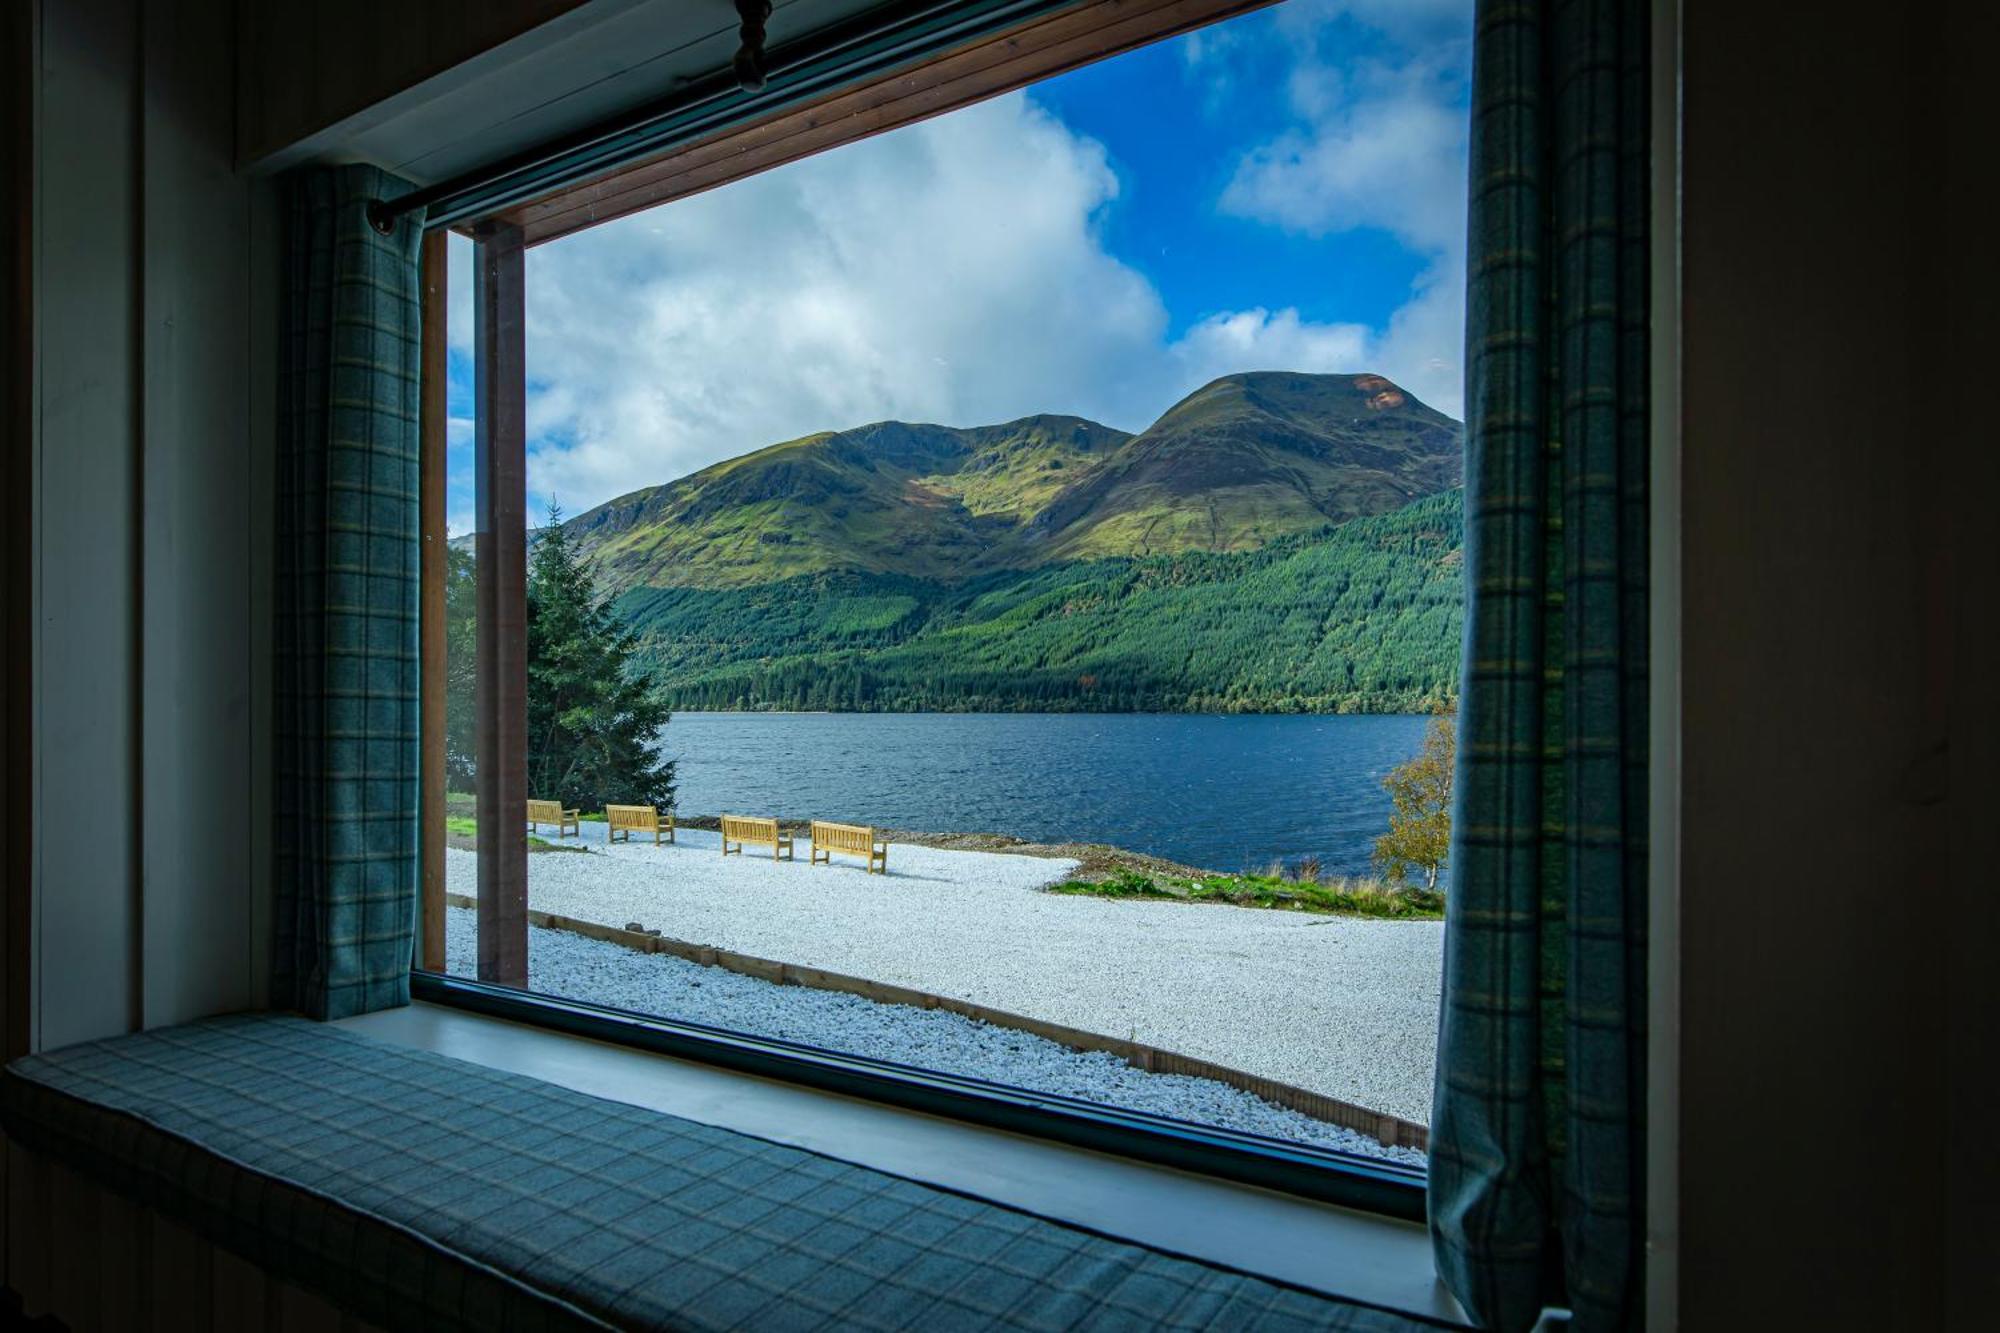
x=561, y=75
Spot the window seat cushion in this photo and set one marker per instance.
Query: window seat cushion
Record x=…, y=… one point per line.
x=418, y=1191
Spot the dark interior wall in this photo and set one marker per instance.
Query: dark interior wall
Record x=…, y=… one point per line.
x=306, y=64
x=17, y=159
x=1831, y=734
x=1960, y=282
x=1839, y=568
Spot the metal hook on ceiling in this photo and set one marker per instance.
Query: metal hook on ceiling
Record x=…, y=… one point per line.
x=749, y=62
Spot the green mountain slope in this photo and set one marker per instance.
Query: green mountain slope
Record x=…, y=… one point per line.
x=1244, y=460
x=1359, y=617
x=890, y=498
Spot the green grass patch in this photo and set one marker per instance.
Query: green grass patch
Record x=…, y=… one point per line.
x=1361, y=897
x=465, y=826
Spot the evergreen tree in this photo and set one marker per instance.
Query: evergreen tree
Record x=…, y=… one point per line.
x=594, y=714
x=1419, y=835
x=461, y=657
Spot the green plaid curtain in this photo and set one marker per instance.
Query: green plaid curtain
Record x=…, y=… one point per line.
x=1537, y=1146
x=347, y=721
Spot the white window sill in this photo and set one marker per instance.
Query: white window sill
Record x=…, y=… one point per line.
x=1339, y=1251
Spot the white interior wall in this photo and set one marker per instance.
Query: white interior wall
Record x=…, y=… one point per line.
x=152, y=533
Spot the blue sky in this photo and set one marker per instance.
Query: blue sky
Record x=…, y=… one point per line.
x=1283, y=191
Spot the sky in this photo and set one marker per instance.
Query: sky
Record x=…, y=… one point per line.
x=1283, y=191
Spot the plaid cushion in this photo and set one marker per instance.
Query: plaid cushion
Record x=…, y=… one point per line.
x=419, y=1191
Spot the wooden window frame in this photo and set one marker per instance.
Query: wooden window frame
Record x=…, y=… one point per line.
x=945, y=80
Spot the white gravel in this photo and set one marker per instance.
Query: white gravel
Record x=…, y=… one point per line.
x=561, y=963
x=1340, y=1005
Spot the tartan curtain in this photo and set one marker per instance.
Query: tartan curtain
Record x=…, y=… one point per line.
x=1537, y=1146
x=347, y=682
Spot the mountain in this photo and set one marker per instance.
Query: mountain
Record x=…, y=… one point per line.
x=1276, y=541
x=1249, y=458
x=1242, y=461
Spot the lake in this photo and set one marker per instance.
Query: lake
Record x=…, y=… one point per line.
x=1222, y=792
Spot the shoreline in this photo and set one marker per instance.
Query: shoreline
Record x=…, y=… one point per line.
x=1059, y=712
x=1095, y=859
x=1105, y=871
x=1095, y=862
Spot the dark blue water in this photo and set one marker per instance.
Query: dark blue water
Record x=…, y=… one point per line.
x=1224, y=793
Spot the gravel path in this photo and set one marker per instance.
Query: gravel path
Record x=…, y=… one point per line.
x=1341, y=1005
x=564, y=964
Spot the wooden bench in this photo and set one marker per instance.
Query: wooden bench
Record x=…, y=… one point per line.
x=858, y=839
x=552, y=812
x=742, y=829
x=630, y=819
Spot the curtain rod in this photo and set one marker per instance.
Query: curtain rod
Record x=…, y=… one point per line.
x=861, y=44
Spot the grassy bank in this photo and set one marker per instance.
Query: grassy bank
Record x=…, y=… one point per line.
x=1343, y=897
x=462, y=832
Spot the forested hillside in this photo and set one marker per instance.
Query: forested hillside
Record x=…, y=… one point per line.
x=1359, y=617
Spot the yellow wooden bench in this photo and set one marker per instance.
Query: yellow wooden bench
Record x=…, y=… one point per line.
x=858, y=839
x=741, y=829
x=630, y=819
x=552, y=812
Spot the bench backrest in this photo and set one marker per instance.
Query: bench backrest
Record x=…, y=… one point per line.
x=545, y=812
x=749, y=828
x=632, y=816
x=844, y=837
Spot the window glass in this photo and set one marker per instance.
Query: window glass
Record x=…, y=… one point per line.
x=1002, y=577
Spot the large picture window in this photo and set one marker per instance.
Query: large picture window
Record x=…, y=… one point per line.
x=971, y=612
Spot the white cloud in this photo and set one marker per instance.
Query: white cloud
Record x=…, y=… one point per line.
x=1381, y=147
x=1378, y=142
x=1269, y=340
x=953, y=271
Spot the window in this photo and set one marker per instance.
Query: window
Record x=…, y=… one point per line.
x=972, y=614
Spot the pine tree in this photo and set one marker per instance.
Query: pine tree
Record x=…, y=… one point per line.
x=461, y=656
x=1419, y=835
x=594, y=713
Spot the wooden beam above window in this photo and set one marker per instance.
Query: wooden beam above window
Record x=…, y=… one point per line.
x=984, y=68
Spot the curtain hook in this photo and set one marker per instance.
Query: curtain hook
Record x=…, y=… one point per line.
x=749, y=62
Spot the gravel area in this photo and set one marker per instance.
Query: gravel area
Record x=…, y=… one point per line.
x=561, y=963
x=1341, y=1005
